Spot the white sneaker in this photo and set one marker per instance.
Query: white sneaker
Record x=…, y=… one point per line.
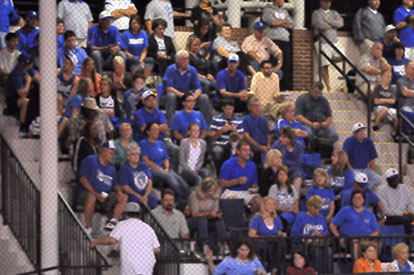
x=111, y=225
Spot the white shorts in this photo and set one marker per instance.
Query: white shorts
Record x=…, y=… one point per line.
x=391, y=113
x=326, y=48
x=245, y=195
x=409, y=53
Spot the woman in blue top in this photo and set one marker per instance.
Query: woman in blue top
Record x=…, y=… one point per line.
x=397, y=61
x=242, y=261
x=292, y=155
x=135, y=178
x=340, y=174
x=322, y=188
x=267, y=224
x=154, y=154
x=134, y=43
x=287, y=111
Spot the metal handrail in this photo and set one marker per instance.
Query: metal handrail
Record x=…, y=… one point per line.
x=346, y=61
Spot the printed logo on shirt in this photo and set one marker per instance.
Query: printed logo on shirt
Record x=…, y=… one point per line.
x=140, y=180
x=104, y=178
x=366, y=220
x=285, y=200
x=280, y=16
x=160, y=150
x=309, y=228
x=136, y=41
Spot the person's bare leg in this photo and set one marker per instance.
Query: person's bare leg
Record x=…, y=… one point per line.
x=380, y=116
x=395, y=124
x=22, y=104
x=119, y=207
x=297, y=183
x=62, y=125
x=59, y=104
x=89, y=209
x=325, y=77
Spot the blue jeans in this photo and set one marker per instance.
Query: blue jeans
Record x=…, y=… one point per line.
x=208, y=86
x=204, y=224
x=104, y=59
x=133, y=64
x=327, y=133
x=170, y=102
x=192, y=178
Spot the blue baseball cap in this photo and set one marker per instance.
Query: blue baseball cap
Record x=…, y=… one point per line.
x=31, y=14
x=259, y=26
x=109, y=144
x=24, y=59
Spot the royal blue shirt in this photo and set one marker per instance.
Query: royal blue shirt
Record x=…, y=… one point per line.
x=371, y=199
x=16, y=81
x=142, y=117
x=156, y=152
x=136, y=178
x=360, y=154
x=398, y=68
x=27, y=40
x=406, y=34
x=327, y=195
x=231, y=170
x=233, y=266
x=134, y=43
x=342, y=182
x=257, y=128
x=184, y=82
x=293, y=159
x=259, y=225
x=102, y=178
x=353, y=223
x=7, y=15
x=78, y=52
x=305, y=225
x=232, y=84
x=182, y=120
x=98, y=38
x=74, y=102
x=294, y=125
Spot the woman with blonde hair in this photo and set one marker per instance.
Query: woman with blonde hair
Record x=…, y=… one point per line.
x=341, y=173
x=267, y=178
x=322, y=188
x=287, y=111
x=204, y=206
x=400, y=252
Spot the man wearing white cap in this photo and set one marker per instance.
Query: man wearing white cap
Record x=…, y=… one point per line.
x=398, y=201
x=104, y=42
x=390, y=37
x=138, y=242
x=362, y=154
x=404, y=22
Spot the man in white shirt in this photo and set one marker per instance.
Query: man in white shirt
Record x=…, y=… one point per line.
x=138, y=242
x=121, y=11
x=9, y=55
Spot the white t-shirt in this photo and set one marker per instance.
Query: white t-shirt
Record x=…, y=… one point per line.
x=194, y=155
x=8, y=60
x=121, y=23
x=161, y=45
x=138, y=241
x=106, y=103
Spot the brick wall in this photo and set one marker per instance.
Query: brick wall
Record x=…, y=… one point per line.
x=302, y=52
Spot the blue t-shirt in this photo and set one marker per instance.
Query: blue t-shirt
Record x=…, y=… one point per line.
x=74, y=102
x=360, y=154
x=327, y=196
x=353, y=223
x=294, y=125
x=406, y=34
x=293, y=159
x=27, y=40
x=134, y=43
x=182, y=120
x=257, y=128
x=219, y=121
x=16, y=81
x=371, y=199
x=102, y=178
x=398, y=68
x=232, y=84
x=136, y=178
x=60, y=42
x=78, y=52
x=98, y=38
x=259, y=225
x=156, y=152
x=232, y=266
x=343, y=181
x=7, y=15
x=231, y=170
x=142, y=117
x=184, y=82
x=305, y=225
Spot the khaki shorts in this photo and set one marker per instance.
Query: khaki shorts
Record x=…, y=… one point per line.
x=391, y=113
x=108, y=204
x=329, y=52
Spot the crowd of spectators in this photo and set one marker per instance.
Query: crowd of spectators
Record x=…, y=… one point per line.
x=227, y=132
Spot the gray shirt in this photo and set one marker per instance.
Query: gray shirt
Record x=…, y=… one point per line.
x=404, y=81
x=174, y=224
x=76, y=17
x=390, y=93
x=321, y=19
x=161, y=9
x=369, y=60
x=230, y=46
x=396, y=201
x=315, y=110
x=270, y=13
x=368, y=25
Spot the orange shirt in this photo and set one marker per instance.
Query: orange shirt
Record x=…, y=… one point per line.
x=95, y=90
x=362, y=266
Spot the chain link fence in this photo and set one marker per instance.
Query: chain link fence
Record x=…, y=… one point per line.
x=198, y=137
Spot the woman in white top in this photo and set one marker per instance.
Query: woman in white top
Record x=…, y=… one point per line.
x=192, y=151
x=401, y=263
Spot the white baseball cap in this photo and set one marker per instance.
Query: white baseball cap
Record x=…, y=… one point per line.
x=391, y=173
x=358, y=126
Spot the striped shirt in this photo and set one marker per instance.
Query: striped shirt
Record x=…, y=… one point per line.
x=219, y=121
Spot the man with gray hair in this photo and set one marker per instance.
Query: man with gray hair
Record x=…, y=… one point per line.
x=314, y=112
x=179, y=79
x=405, y=88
